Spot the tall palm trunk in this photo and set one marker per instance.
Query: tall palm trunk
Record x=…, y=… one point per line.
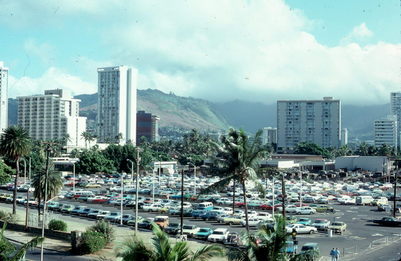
x=233, y=196
x=15, y=188
x=245, y=206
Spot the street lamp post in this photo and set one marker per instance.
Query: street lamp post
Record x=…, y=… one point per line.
x=182, y=201
x=136, y=186
x=300, y=194
x=273, y=197
x=73, y=173
x=121, y=200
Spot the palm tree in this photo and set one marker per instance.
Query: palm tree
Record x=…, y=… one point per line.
x=241, y=156
x=88, y=137
x=163, y=250
x=268, y=244
x=8, y=251
x=15, y=144
x=54, y=185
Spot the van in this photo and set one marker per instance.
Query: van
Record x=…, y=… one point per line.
x=162, y=221
x=206, y=206
x=380, y=201
x=364, y=200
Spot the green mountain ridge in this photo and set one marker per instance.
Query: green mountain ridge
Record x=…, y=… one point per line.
x=188, y=113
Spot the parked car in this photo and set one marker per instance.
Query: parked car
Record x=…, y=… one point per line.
x=312, y=250
x=232, y=239
x=338, y=227
x=321, y=224
x=94, y=213
x=162, y=221
x=203, y=233
x=252, y=222
x=113, y=217
x=218, y=235
x=102, y=214
x=304, y=221
x=67, y=208
x=173, y=228
x=301, y=229
x=190, y=230
x=306, y=211
x=146, y=223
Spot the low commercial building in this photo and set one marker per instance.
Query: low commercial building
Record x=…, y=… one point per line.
x=369, y=163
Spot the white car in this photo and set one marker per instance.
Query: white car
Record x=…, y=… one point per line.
x=102, y=214
x=252, y=222
x=301, y=229
x=291, y=209
x=152, y=207
x=305, y=211
x=190, y=230
x=218, y=235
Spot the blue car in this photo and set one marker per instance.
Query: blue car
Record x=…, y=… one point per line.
x=210, y=215
x=305, y=221
x=197, y=213
x=203, y=233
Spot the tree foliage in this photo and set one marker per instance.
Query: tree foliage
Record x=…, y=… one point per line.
x=163, y=250
x=5, y=172
x=312, y=149
x=93, y=161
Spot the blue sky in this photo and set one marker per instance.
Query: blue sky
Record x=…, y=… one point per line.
x=259, y=50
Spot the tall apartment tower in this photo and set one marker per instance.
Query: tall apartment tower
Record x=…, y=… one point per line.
x=3, y=97
x=52, y=116
x=116, y=119
x=147, y=126
x=395, y=107
x=269, y=135
x=386, y=131
x=344, y=136
x=314, y=121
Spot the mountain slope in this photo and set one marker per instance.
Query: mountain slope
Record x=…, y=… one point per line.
x=187, y=112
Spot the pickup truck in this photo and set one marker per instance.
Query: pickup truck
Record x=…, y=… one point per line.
x=388, y=221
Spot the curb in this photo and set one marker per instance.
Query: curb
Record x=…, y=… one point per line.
x=46, y=248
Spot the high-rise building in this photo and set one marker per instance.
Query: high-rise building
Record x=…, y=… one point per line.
x=314, y=121
x=395, y=107
x=3, y=97
x=52, y=116
x=386, y=131
x=147, y=126
x=116, y=118
x=344, y=136
x=269, y=135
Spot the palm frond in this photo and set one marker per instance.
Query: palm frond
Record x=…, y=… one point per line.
x=207, y=252
x=219, y=185
x=22, y=250
x=134, y=249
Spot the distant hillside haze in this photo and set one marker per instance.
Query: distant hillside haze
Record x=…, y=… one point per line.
x=188, y=112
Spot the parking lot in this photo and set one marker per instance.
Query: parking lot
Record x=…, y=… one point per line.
x=359, y=235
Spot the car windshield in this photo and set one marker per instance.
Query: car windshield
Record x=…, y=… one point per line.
x=336, y=224
x=174, y=225
x=218, y=232
x=204, y=230
x=160, y=219
x=306, y=248
x=188, y=227
x=320, y=221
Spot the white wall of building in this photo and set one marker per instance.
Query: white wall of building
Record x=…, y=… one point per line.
x=369, y=163
x=51, y=117
x=344, y=136
x=3, y=97
x=117, y=87
x=386, y=131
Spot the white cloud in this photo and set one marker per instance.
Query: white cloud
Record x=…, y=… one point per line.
x=358, y=34
x=44, y=51
x=227, y=49
x=53, y=78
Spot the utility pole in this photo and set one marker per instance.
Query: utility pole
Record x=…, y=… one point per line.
x=182, y=201
x=48, y=149
x=283, y=195
x=395, y=189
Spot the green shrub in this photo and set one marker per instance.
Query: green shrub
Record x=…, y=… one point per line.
x=91, y=242
x=104, y=228
x=56, y=224
x=7, y=217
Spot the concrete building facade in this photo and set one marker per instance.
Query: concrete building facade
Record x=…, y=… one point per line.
x=116, y=120
x=344, y=136
x=314, y=121
x=395, y=108
x=269, y=135
x=386, y=131
x=3, y=97
x=52, y=116
x=147, y=126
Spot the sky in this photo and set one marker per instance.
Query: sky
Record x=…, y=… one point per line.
x=254, y=50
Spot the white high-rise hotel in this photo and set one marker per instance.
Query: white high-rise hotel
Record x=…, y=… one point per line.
x=52, y=116
x=395, y=106
x=116, y=104
x=3, y=97
x=314, y=121
x=386, y=131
